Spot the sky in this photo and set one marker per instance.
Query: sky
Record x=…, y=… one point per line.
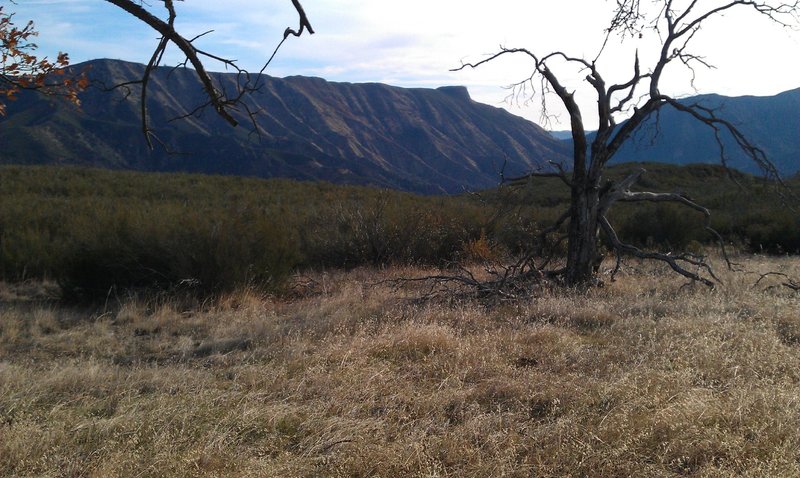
x=415, y=43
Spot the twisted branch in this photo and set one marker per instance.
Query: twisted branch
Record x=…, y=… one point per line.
x=222, y=103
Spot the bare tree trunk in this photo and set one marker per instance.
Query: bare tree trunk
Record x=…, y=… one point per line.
x=583, y=232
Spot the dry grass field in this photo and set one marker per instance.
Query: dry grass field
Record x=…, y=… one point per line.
x=644, y=377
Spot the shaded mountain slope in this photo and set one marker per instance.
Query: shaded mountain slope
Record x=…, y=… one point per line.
x=422, y=140
x=771, y=123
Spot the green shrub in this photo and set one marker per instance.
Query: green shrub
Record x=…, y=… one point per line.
x=775, y=232
x=165, y=248
x=664, y=225
x=380, y=231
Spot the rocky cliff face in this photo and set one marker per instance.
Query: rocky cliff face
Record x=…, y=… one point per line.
x=422, y=140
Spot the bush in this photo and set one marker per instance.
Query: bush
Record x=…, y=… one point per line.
x=381, y=230
x=169, y=248
x=96, y=231
x=664, y=225
x=775, y=232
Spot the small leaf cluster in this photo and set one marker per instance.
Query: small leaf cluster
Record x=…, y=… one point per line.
x=21, y=69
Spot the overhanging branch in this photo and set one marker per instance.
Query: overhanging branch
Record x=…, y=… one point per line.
x=621, y=192
x=222, y=103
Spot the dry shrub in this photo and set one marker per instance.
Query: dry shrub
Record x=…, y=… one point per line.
x=480, y=249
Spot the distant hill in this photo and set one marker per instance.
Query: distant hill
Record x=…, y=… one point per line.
x=421, y=140
x=771, y=123
x=562, y=135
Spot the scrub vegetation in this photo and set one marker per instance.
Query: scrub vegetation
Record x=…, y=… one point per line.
x=101, y=234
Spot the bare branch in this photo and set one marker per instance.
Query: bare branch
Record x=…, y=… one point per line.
x=222, y=103
x=304, y=23
x=674, y=261
x=576, y=120
x=168, y=32
x=707, y=116
x=560, y=173
x=622, y=192
x=774, y=13
x=789, y=283
x=630, y=86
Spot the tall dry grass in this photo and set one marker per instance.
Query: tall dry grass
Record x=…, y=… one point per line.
x=644, y=377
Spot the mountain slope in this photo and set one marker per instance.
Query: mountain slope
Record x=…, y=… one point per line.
x=771, y=123
x=421, y=140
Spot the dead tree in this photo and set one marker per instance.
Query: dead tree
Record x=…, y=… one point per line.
x=221, y=101
x=622, y=108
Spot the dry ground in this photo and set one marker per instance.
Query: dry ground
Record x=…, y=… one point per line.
x=641, y=378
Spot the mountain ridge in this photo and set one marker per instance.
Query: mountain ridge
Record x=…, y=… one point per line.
x=415, y=139
x=771, y=123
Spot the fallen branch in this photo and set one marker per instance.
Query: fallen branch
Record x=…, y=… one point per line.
x=507, y=283
x=789, y=283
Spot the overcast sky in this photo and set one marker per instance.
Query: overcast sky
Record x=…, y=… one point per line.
x=414, y=43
